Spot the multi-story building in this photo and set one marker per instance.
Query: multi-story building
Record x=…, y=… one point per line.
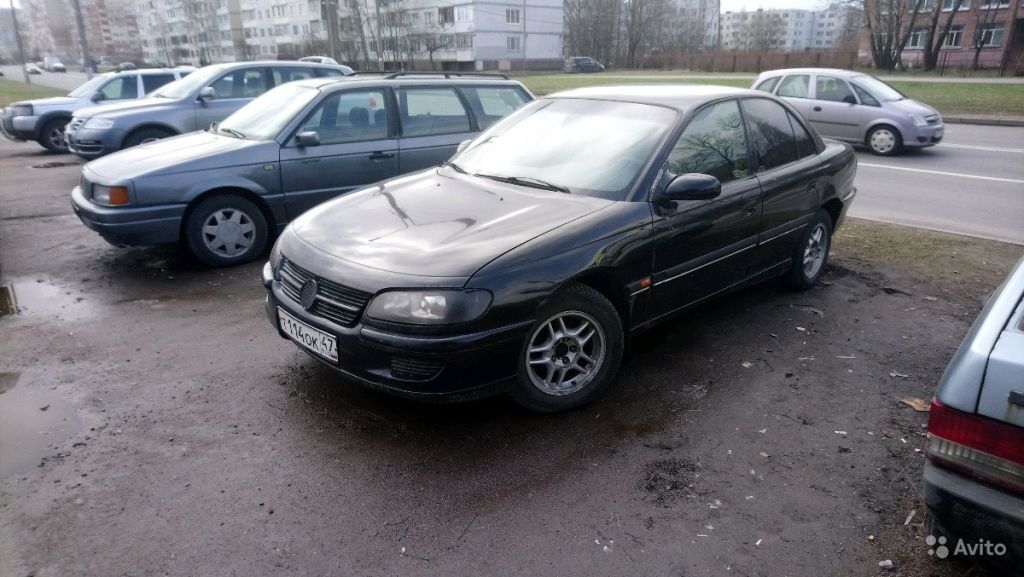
x=196, y=32
x=789, y=30
x=8, y=43
x=110, y=29
x=982, y=34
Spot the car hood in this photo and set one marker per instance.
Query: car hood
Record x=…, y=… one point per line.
x=186, y=153
x=911, y=106
x=436, y=223
x=48, y=102
x=116, y=109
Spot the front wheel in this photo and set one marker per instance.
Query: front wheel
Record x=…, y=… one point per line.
x=51, y=137
x=811, y=253
x=885, y=141
x=144, y=135
x=226, y=230
x=571, y=354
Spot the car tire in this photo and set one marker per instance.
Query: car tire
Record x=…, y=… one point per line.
x=144, y=135
x=51, y=137
x=884, y=140
x=810, y=257
x=226, y=230
x=571, y=354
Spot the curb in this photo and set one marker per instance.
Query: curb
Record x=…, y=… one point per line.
x=983, y=121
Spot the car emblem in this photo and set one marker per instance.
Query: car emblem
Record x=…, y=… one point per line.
x=307, y=296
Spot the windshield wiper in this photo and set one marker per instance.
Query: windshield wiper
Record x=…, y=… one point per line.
x=454, y=166
x=231, y=131
x=526, y=181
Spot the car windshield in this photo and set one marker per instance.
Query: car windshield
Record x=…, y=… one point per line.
x=265, y=117
x=877, y=88
x=185, y=86
x=88, y=87
x=591, y=147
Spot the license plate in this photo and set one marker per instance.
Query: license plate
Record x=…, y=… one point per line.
x=315, y=340
x=938, y=133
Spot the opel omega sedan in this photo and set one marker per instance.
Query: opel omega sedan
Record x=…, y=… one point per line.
x=525, y=263
x=855, y=107
x=227, y=191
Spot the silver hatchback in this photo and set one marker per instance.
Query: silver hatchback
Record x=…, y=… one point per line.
x=855, y=107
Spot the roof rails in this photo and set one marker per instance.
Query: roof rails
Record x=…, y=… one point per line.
x=429, y=74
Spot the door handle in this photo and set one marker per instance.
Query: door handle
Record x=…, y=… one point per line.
x=817, y=109
x=310, y=160
x=381, y=155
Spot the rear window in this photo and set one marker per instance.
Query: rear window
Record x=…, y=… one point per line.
x=768, y=84
x=431, y=111
x=151, y=82
x=283, y=75
x=491, y=104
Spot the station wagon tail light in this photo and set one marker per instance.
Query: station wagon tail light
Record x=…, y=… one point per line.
x=110, y=195
x=976, y=446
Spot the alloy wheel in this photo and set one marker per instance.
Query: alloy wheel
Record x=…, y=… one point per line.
x=565, y=353
x=814, y=252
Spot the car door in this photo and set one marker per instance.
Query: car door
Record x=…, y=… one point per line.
x=357, y=147
x=702, y=246
x=788, y=170
x=796, y=89
x=234, y=89
x=833, y=108
x=433, y=121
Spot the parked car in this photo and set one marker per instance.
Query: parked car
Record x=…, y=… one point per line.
x=856, y=108
x=226, y=191
x=582, y=64
x=974, y=476
x=209, y=95
x=318, y=59
x=55, y=65
x=526, y=261
x=43, y=120
x=126, y=66
x=33, y=69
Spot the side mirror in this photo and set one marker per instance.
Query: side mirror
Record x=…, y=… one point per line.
x=849, y=99
x=98, y=96
x=462, y=146
x=693, y=186
x=207, y=93
x=307, y=138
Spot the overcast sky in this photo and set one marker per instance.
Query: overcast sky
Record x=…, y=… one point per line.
x=736, y=5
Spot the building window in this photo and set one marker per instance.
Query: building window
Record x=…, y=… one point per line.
x=989, y=36
x=428, y=17
x=955, y=37
x=947, y=5
x=989, y=4
x=512, y=15
x=464, y=13
x=463, y=41
x=446, y=15
x=917, y=38
x=513, y=44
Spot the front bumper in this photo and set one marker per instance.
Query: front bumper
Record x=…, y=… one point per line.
x=922, y=136
x=92, y=143
x=425, y=367
x=19, y=128
x=964, y=509
x=129, y=226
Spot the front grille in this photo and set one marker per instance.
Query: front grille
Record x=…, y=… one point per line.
x=415, y=369
x=335, y=302
x=933, y=119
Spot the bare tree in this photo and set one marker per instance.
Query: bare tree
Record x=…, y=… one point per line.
x=592, y=28
x=764, y=30
x=889, y=24
x=936, y=37
x=639, y=19
x=982, y=16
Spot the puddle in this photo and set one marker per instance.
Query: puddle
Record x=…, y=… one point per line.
x=43, y=298
x=56, y=164
x=28, y=432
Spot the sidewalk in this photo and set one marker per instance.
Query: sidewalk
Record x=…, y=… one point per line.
x=984, y=120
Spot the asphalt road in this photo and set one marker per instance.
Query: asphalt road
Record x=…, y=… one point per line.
x=153, y=423
x=972, y=183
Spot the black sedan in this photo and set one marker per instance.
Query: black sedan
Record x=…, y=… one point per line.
x=525, y=263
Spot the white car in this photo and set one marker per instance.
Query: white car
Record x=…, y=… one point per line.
x=319, y=59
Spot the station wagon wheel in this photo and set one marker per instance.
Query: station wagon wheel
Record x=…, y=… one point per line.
x=571, y=353
x=226, y=230
x=51, y=137
x=145, y=135
x=811, y=253
x=885, y=140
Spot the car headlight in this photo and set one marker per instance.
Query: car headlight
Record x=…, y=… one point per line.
x=429, y=307
x=20, y=110
x=919, y=120
x=275, y=258
x=110, y=195
x=96, y=122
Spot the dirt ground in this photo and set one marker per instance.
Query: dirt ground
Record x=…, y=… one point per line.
x=152, y=423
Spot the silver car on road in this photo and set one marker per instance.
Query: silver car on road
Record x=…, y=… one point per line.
x=855, y=107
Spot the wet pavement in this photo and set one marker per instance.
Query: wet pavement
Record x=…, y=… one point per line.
x=758, y=436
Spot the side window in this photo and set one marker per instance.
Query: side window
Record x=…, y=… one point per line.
x=832, y=89
x=350, y=117
x=768, y=85
x=329, y=72
x=492, y=104
x=804, y=143
x=283, y=75
x=794, y=86
x=246, y=83
x=712, y=143
x=431, y=111
x=865, y=96
x=121, y=88
x=771, y=136
x=151, y=82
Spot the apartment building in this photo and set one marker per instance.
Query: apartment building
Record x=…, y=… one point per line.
x=982, y=34
x=789, y=30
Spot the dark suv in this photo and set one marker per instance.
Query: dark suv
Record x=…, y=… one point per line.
x=227, y=190
x=582, y=64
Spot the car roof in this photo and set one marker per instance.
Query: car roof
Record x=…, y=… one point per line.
x=349, y=81
x=681, y=97
x=274, y=63
x=834, y=71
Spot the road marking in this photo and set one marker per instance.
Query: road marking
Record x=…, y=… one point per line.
x=988, y=148
x=961, y=175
